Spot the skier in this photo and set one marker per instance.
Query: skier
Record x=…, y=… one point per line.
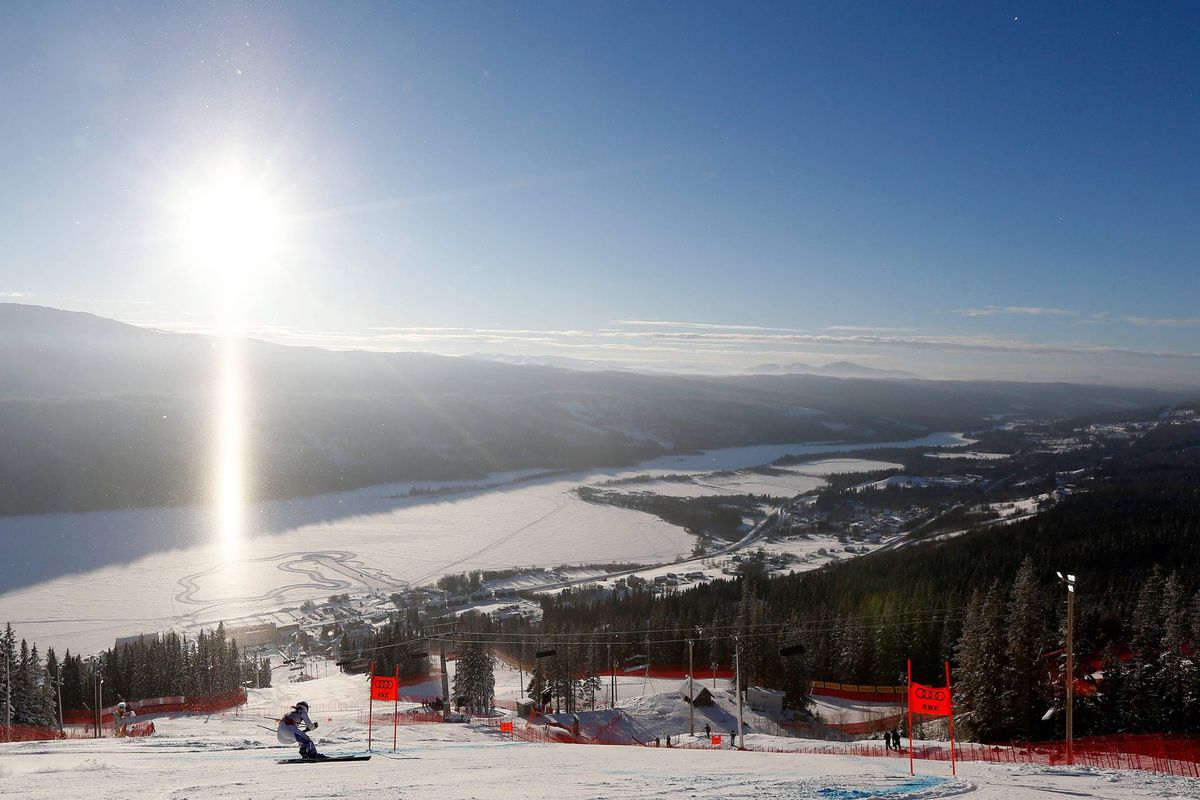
x=707, y=731
x=121, y=719
x=290, y=732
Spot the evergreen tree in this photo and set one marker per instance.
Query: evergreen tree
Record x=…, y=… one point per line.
x=23, y=688
x=1175, y=667
x=982, y=666
x=474, y=677
x=9, y=664
x=1144, y=707
x=1022, y=697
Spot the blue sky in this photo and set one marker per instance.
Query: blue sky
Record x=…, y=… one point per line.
x=960, y=189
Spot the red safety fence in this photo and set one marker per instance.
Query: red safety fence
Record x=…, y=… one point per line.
x=865, y=693
x=866, y=726
x=33, y=733
x=1171, y=754
x=670, y=671
x=178, y=704
x=524, y=731
x=413, y=717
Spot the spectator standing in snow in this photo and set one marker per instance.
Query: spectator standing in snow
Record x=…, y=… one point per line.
x=290, y=732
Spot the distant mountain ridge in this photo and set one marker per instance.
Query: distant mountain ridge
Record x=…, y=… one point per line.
x=98, y=414
x=837, y=369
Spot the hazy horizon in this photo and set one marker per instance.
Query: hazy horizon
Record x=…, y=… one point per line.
x=989, y=191
x=747, y=365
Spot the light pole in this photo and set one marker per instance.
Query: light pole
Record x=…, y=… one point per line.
x=1069, y=580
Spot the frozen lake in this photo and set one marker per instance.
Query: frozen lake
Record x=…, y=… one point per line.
x=80, y=580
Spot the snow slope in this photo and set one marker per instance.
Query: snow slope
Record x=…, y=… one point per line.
x=233, y=756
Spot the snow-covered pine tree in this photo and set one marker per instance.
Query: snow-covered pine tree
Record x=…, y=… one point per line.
x=475, y=678
x=994, y=660
x=981, y=666
x=1022, y=699
x=41, y=706
x=8, y=665
x=1143, y=708
x=1174, y=665
x=591, y=684
x=23, y=688
x=53, y=677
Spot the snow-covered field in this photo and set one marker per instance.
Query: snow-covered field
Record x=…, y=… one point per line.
x=777, y=482
x=970, y=455
x=235, y=755
x=85, y=579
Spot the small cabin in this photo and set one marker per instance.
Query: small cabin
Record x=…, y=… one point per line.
x=703, y=697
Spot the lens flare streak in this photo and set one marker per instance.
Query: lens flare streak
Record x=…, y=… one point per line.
x=230, y=405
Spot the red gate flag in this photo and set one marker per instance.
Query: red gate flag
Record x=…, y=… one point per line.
x=929, y=700
x=384, y=687
x=716, y=740
x=506, y=727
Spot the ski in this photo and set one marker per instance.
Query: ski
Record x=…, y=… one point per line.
x=328, y=760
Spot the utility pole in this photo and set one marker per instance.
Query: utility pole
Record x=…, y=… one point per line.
x=1069, y=580
x=612, y=678
x=691, y=695
x=445, y=680
x=737, y=671
x=7, y=697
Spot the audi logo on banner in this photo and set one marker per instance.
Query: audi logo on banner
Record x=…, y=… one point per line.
x=929, y=700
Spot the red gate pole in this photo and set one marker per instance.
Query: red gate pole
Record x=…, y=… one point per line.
x=370, y=704
x=395, y=707
x=950, y=696
x=910, y=730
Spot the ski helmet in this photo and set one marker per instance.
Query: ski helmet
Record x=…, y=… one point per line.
x=121, y=705
x=302, y=704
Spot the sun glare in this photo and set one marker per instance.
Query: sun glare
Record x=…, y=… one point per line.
x=231, y=225
x=231, y=233
x=230, y=449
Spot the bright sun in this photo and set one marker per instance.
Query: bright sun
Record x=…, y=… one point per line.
x=231, y=230
x=231, y=225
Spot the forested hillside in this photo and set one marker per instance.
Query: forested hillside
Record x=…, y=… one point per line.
x=988, y=600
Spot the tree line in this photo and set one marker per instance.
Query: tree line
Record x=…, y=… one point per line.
x=170, y=665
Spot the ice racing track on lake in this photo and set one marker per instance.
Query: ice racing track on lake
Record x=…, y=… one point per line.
x=353, y=575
